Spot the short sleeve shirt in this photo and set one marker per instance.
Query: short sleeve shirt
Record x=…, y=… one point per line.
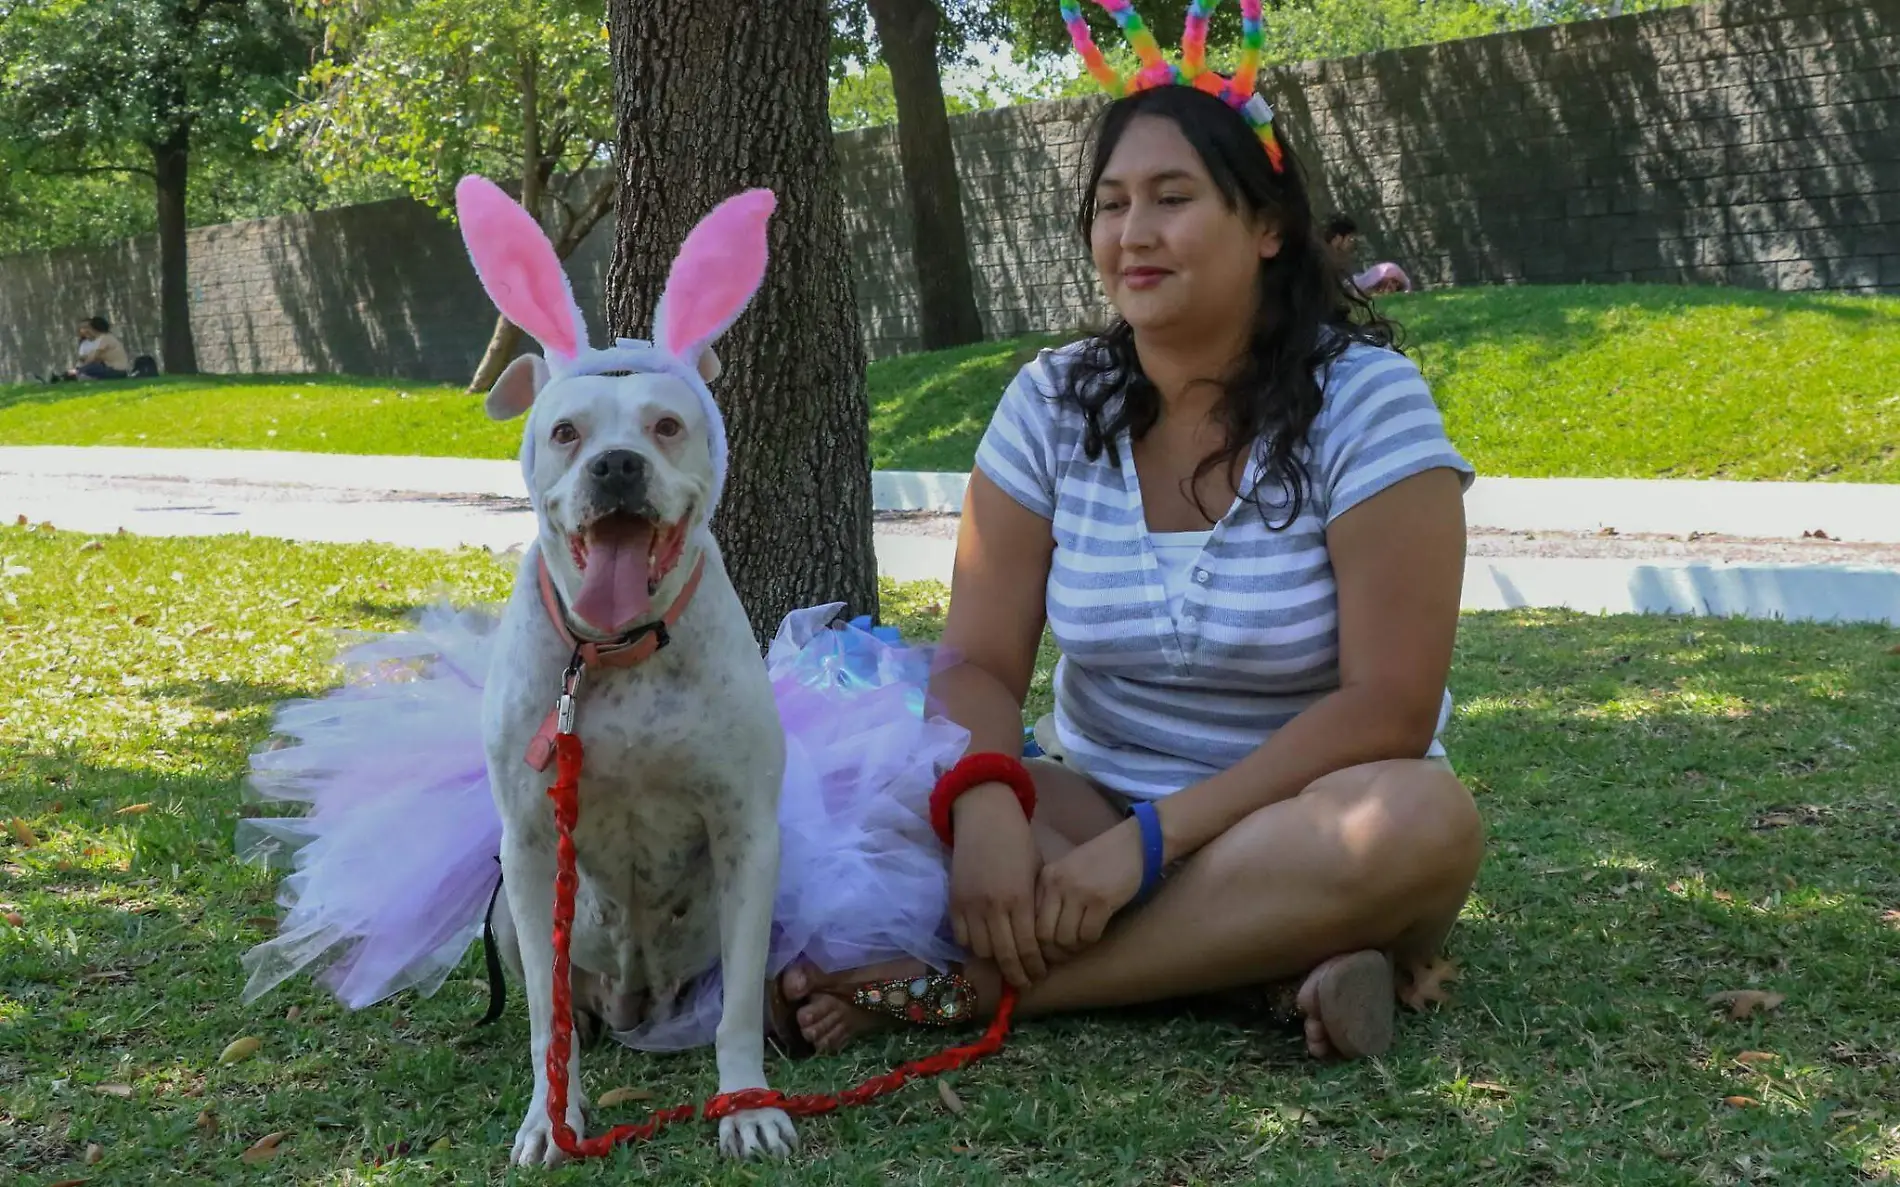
x=1148, y=700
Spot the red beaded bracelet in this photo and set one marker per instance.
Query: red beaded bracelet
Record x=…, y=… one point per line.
x=974, y=770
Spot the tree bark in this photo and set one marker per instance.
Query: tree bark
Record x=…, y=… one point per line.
x=714, y=97
x=940, y=248
x=171, y=160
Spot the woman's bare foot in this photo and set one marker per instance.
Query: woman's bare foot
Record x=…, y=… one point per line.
x=1348, y=1003
x=830, y=1022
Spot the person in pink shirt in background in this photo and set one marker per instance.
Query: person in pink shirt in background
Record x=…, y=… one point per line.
x=1342, y=235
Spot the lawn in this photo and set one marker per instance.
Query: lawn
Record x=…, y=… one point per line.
x=1678, y=808
x=1604, y=381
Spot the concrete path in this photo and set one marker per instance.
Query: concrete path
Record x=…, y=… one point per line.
x=1592, y=545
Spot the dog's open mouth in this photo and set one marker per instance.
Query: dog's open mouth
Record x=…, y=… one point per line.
x=622, y=559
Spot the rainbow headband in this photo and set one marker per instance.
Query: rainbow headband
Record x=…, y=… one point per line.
x=1156, y=71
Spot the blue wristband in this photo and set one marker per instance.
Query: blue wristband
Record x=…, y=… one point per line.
x=1151, y=849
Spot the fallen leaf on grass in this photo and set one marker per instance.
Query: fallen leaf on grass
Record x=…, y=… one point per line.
x=94, y=1153
x=239, y=1049
x=122, y=1091
x=133, y=810
x=66, y=1182
x=949, y=1097
x=1751, y=1058
x=1428, y=984
x=14, y=918
x=23, y=834
x=1742, y=1003
x=439, y=1146
x=265, y=1148
x=292, y=1014
x=620, y=1096
x=1739, y=1102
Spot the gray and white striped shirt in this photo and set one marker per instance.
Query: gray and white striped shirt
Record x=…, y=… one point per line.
x=1147, y=702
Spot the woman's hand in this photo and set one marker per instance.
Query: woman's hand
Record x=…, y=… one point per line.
x=1077, y=895
x=993, y=883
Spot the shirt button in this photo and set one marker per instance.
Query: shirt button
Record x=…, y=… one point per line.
x=1200, y=575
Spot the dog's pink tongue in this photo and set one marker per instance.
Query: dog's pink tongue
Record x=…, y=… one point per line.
x=614, y=586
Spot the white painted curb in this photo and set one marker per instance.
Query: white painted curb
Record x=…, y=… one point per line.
x=1859, y=512
x=1865, y=512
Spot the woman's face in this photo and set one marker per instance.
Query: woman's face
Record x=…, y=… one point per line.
x=1170, y=252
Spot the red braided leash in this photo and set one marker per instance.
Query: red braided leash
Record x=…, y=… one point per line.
x=566, y=796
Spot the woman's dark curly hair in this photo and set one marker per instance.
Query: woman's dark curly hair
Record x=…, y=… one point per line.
x=1308, y=313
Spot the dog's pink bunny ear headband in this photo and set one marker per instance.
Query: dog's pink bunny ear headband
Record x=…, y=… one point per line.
x=713, y=279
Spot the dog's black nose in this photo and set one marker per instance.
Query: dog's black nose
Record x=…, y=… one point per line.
x=619, y=474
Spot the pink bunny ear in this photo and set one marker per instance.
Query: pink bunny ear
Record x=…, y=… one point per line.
x=717, y=271
x=518, y=267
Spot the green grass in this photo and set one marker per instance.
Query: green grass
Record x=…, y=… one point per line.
x=1676, y=808
x=310, y=413
x=1654, y=382
x=1609, y=381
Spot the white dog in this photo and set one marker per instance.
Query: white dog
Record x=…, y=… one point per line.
x=678, y=840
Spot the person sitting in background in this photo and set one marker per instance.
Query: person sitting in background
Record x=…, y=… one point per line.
x=1342, y=237
x=101, y=355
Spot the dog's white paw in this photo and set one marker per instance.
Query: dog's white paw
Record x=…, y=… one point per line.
x=534, y=1141
x=756, y=1132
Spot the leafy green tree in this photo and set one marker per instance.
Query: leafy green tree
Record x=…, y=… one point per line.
x=116, y=88
x=421, y=92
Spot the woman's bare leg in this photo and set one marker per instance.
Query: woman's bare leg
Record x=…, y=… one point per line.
x=1378, y=857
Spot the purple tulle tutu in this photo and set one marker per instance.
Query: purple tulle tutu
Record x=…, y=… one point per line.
x=394, y=859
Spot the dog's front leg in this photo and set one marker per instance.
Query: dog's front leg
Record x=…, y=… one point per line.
x=528, y=878
x=745, y=854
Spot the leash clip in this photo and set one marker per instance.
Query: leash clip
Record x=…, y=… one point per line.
x=570, y=683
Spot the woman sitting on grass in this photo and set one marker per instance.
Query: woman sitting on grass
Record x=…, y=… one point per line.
x=1239, y=512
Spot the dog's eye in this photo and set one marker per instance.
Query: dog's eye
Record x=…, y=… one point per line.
x=565, y=434
x=668, y=426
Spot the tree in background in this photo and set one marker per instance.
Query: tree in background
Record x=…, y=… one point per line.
x=715, y=97
x=911, y=39
x=422, y=92
x=118, y=88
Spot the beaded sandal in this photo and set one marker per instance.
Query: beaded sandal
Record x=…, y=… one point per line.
x=929, y=999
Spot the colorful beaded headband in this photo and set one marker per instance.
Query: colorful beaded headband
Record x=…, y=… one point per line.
x=1156, y=71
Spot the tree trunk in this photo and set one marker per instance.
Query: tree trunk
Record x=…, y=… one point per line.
x=940, y=249
x=507, y=336
x=714, y=97
x=178, y=354
x=502, y=345
x=505, y=342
